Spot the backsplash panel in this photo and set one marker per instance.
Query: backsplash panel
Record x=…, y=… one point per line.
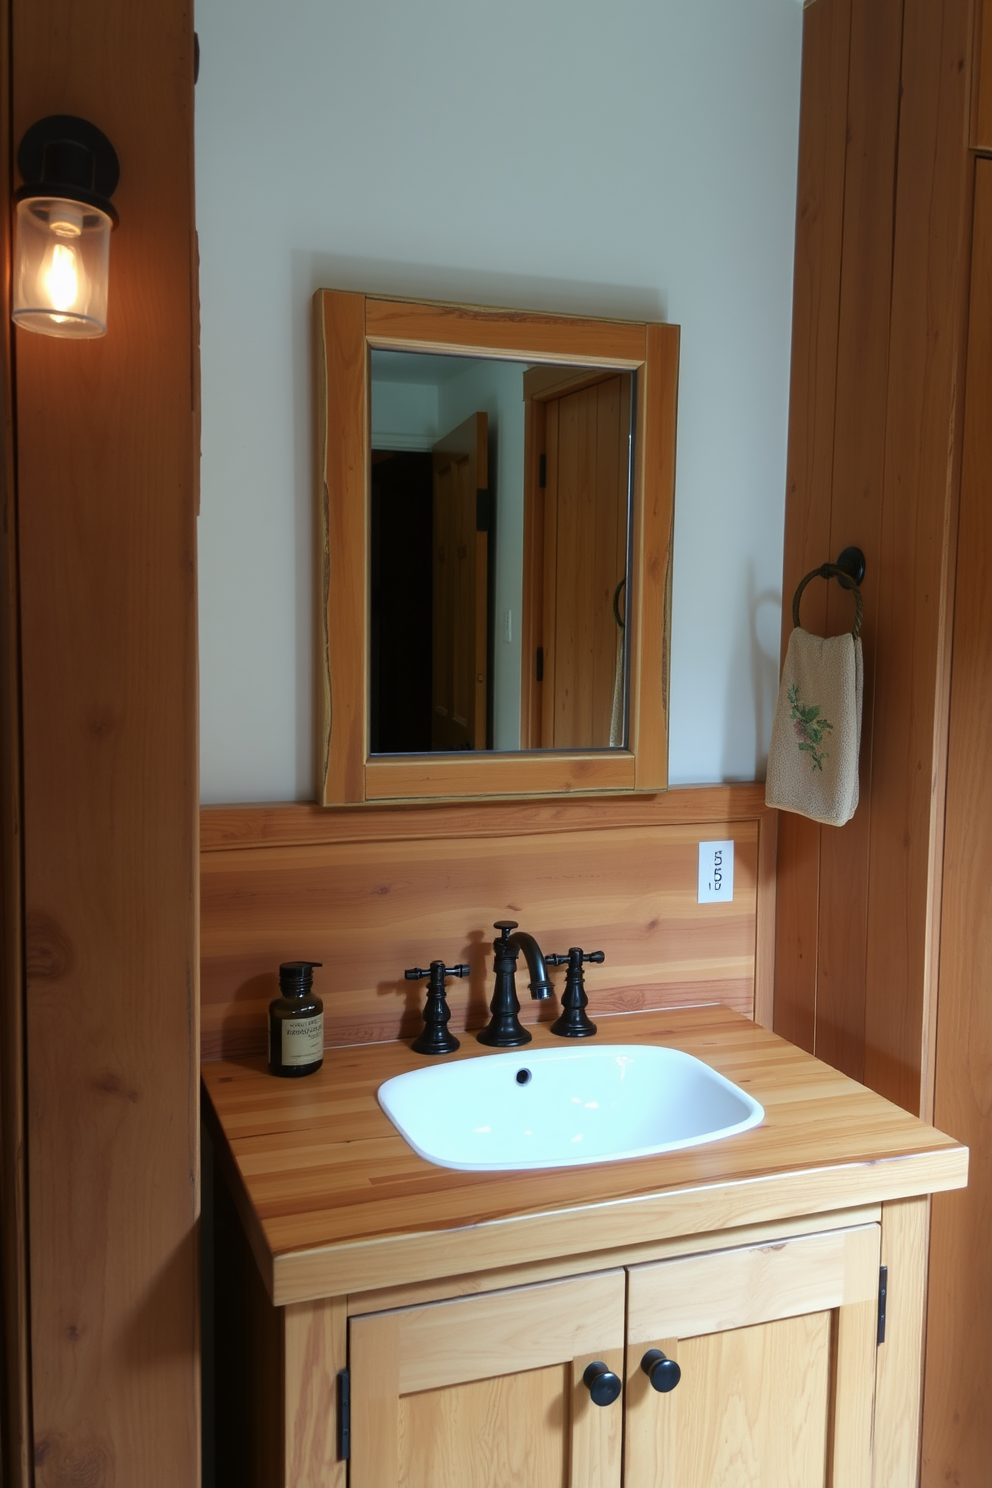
x=371, y=893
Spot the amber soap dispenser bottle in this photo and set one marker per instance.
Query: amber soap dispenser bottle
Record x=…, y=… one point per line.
x=296, y=1023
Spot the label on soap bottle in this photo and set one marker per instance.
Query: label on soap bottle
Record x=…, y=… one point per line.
x=303, y=1040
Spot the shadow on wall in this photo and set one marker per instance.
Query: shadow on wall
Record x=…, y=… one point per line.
x=311, y=271
x=753, y=681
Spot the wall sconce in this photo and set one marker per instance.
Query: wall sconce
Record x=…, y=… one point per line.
x=62, y=229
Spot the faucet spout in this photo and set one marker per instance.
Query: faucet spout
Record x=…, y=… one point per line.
x=504, y=1029
x=540, y=986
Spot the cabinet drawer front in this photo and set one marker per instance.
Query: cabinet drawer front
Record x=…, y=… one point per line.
x=720, y=1290
x=448, y=1343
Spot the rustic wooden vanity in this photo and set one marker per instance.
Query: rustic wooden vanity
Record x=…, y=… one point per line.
x=466, y=1306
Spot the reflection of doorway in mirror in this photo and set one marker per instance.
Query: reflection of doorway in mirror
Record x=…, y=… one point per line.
x=460, y=665
x=579, y=442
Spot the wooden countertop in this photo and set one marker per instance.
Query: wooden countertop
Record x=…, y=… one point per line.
x=334, y=1201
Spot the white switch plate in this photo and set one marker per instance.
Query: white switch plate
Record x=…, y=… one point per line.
x=716, y=873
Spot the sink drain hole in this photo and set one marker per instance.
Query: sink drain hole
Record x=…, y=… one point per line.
x=523, y=1077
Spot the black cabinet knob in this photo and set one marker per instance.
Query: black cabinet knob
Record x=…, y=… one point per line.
x=662, y=1371
x=603, y=1385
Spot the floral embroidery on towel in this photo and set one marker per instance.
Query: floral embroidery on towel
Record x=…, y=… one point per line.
x=809, y=729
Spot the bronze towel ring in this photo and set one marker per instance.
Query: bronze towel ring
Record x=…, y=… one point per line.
x=849, y=570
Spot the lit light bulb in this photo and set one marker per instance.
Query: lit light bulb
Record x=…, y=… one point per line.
x=61, y=279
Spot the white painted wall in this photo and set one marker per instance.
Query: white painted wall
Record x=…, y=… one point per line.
x=633, y=159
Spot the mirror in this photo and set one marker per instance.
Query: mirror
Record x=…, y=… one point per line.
x=495, y=494
x=448, y=606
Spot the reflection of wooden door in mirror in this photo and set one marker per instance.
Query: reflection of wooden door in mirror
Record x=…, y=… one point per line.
x=578, y=492
x=460, y=543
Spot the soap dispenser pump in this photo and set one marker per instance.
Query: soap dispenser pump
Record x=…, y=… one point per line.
x=296, y=1023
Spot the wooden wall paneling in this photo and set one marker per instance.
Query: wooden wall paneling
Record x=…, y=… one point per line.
x=106, y=548
x=286, y=825
x=764, y=920
x=856, y=494
x=957, y=1440
x=15, y=1414
x=367, y=910
x=816, y=299
x=915, y=567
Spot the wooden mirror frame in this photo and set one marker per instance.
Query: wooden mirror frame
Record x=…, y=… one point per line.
x=347, y=327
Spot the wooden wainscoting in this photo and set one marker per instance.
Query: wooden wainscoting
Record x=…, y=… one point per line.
x=373, y=891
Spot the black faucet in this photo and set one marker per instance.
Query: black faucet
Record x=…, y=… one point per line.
x=435, y=1038
x=504, y=1029
x=574, y=1021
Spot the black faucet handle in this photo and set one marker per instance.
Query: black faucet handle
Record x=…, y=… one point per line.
x=505, y=927
x=576, y=956
x=416, y=972
x=556, y=960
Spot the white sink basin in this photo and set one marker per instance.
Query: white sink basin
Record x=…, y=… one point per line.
x=557, y=1108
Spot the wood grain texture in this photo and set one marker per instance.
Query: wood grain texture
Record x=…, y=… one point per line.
x=809, y=473
x=284, y=824
x=468, y=1391
x=338, y=1201
x=107, y=561
x=654, y=515
x=725, y=1425
x=740, y=1288
x=982, y=79
x=923, y=436
x=473, y=1337
x=427, y=325
x=898, y=1379
x=856, y=494
x=341, y=406
x=315, y=1349
x=957, y=1424
x=15, y=1413
x=440, y=1288
x=369, y=909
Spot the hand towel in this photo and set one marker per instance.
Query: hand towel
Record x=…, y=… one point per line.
x=816, y=733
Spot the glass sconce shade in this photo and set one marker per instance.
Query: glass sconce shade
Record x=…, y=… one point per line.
x=63, y=226
x=61, y=264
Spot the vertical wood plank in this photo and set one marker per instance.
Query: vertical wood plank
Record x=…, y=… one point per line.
x=597, y=1431
x=796, y=929
x=106, y=547
x=854, y=1366
x=373, y=1357
x=816, y=302
x=342, y=547
x=914, y=571
x=15, y=1437
x=982, y=111
x=898, y=1368
x=315, y=1349
x=764, y=921
x=957, y=1432
x=856, y=494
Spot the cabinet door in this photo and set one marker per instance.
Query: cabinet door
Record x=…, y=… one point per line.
x=487, y=1391
x=776, y=1345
